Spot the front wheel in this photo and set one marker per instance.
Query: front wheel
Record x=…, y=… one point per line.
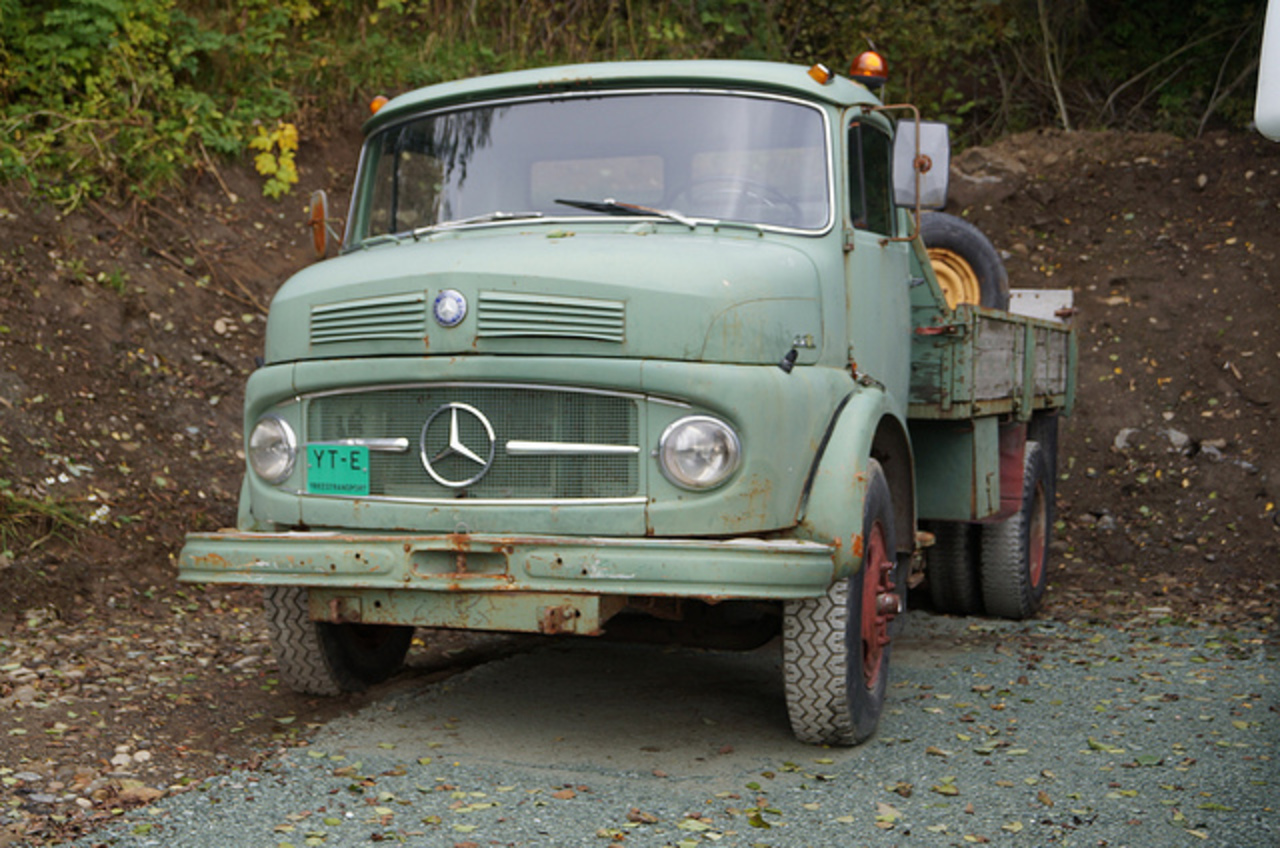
x=836, y=647
x=319, y=658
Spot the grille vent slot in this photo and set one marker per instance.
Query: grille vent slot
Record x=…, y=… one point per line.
x=513, y=314
x=370, y=319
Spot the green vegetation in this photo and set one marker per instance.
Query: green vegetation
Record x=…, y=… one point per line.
x=126, y=96
x=26, y=522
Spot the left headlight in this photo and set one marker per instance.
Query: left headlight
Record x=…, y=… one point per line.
x=699, y=452
x=273, y=449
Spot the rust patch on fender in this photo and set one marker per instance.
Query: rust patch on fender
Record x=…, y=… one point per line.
x=858, y=545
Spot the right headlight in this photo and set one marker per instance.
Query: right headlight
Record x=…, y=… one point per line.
x=699, y=452
x=273, y=449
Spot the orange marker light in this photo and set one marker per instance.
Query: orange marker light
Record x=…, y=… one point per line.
x=821, y=73
x=870, y=69
x=377, y=103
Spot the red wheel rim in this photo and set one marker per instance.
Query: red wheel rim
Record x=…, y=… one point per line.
x=1037, y=536
x=877, y=582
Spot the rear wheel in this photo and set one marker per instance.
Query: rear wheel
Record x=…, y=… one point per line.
x=319, y=658
x=951, y=566
x=1015, y=552
x=836, y=648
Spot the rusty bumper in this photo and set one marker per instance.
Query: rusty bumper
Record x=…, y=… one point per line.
x=497, y=582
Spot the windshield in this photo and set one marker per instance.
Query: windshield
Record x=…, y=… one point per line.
x=729, y=157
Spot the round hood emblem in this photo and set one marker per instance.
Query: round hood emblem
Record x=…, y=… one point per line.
x=457, y=445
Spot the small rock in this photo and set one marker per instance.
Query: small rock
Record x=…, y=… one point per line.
x=1202, y=180
x=1177, y=438
x=1107, y=523
x=122, y=760
x=140, y=794
x=1121, y=442
x=142, y=757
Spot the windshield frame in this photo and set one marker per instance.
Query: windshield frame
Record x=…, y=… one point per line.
x=363, y=184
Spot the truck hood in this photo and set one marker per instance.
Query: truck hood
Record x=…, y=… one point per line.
x=729, y=296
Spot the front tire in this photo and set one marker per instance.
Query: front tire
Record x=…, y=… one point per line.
x=836, y=647
x=319, y=658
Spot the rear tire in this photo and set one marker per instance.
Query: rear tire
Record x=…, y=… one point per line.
x=836, y=648
x=1015, y=552
x=951, y=566
x=319, y=658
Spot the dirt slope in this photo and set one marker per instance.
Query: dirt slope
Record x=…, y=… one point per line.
x=1172, y=461
x=126, y=335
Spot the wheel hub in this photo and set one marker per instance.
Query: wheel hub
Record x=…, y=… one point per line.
x=880, y=603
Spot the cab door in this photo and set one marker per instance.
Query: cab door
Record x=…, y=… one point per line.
x=877, y=270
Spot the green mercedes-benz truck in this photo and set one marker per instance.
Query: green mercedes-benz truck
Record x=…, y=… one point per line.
x=648, y=348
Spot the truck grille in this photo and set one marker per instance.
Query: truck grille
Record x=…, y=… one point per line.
x=544, y=417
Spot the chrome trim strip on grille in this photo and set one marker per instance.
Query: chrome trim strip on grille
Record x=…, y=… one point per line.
x=382, y=445
x=515, y=447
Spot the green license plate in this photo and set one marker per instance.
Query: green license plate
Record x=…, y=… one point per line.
x=337, y=470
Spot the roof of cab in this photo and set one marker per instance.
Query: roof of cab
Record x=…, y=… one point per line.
x=610, y=76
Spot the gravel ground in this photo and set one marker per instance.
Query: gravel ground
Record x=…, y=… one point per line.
x=1038, y=733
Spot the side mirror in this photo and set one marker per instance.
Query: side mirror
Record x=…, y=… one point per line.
x=318, y=219
x=927, y=153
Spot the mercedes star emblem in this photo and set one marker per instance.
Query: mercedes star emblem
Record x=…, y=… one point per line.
x=441, y=443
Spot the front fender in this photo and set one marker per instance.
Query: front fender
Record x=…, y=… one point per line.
x=831, y=512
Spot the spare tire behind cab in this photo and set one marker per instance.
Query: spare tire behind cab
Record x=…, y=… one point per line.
x=965, y=262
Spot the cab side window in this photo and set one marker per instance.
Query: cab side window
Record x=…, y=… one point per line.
x=871, y=179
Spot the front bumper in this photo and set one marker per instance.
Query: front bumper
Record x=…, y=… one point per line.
x=502, y=582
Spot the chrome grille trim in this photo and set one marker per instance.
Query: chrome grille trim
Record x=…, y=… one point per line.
x=519, y=448
x=402, y=316
x=387, y=445
x=516, y=314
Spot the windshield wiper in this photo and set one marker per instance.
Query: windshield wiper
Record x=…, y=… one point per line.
x=609, y=206
x=474, y=219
